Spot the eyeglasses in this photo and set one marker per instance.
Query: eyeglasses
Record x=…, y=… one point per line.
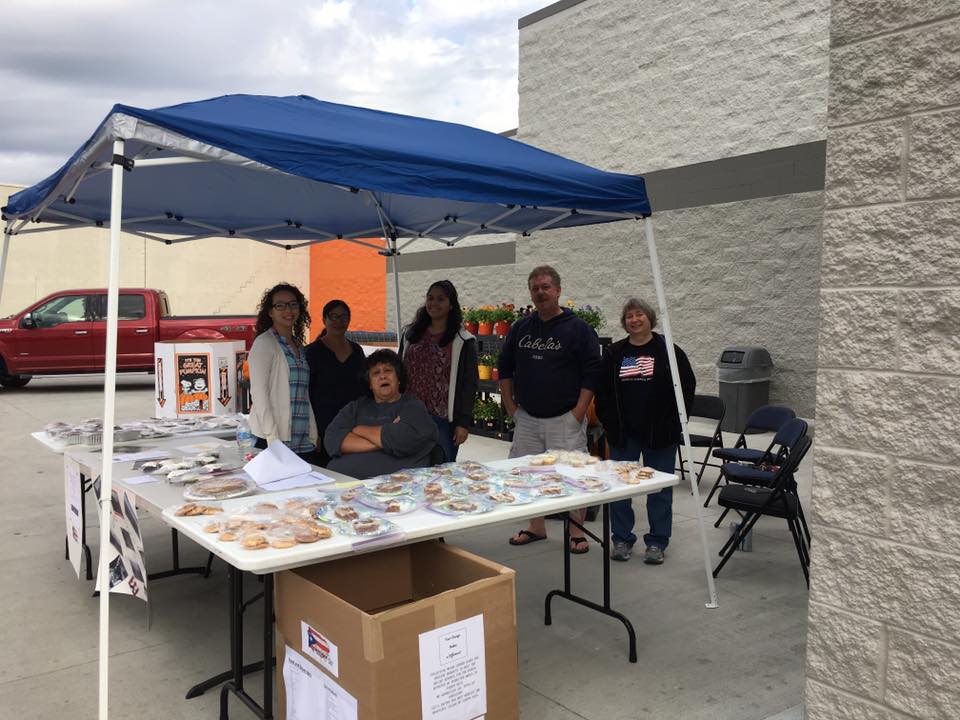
x=292, y=305
x=338, y=317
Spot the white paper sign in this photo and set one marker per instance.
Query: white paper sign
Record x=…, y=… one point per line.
x=311, y=695
x=318, y=647
x=453, y=671
x=298, y=481
x=277, y=462
x=127, y=570
x=73, y=500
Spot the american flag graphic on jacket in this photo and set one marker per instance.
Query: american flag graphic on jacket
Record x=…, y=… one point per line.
x=641, y=366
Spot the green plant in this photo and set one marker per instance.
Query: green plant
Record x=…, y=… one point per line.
x=484, y=410
x=592, y=315
x=470, y=315
x=488, y=360
x=504, y=313
x=485, y=313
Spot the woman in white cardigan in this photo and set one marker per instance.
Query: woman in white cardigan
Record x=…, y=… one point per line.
x=280, y=374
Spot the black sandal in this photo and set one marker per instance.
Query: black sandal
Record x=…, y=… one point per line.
x=529, y=538
x=579, y=545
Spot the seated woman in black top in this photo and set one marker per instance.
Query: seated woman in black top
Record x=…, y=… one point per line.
x=335, y=365
x=385, y=430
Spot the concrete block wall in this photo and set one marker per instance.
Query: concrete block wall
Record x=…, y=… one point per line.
x=636, y=86
x=884, y=627
x=640, y=85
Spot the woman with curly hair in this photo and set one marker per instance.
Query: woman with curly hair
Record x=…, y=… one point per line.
x=280, y=374
x=441, y=362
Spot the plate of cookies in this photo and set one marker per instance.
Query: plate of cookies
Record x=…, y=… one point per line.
x=509, y=496
x=396, y=505
x=193, y=509
x=219, y=488
x=367, y=524
x=461, y=506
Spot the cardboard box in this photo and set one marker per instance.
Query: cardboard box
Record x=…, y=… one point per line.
x=196, y=377
x=360, y=621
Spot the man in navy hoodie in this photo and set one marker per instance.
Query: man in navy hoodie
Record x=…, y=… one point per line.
x=549, y=366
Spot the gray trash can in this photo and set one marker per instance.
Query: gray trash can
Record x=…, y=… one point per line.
x=743, y=374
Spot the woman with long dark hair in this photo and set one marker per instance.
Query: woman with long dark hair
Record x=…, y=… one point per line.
x=280, y=374
x=441, y=362
x=335, y=365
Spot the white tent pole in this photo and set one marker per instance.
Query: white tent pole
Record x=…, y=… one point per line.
x=109, y=398
x=394, y=257
x=3, y=256
x=681, y=406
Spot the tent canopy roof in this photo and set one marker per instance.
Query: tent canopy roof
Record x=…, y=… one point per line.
x=297, y=168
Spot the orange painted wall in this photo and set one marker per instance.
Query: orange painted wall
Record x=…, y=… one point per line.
x=353, y=273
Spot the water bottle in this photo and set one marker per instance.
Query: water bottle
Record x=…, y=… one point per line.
x=244, y=436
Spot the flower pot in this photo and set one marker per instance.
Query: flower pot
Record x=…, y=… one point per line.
x=501, y=328
x=485, y=372
x=494, y=374
x=485, y=328
x=470, y=327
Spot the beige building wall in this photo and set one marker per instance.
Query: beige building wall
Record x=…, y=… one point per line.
x=884, y=626
x=212, y=276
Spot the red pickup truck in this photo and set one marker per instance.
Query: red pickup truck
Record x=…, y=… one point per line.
x=66, y=333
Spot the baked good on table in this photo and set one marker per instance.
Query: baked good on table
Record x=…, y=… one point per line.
x=254, y=541
x=366, y=526
x=346, y=512
x=387, y=487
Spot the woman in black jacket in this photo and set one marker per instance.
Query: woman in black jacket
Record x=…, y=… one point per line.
x=638, y=409
x=441, y=362
x=335, y=366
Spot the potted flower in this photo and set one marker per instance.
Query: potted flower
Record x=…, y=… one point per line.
x=592, y=315
x=485, y=365
x=485, y=319
x=470, y=320
x=503, y=317
x=494, y=370
x=485, y=413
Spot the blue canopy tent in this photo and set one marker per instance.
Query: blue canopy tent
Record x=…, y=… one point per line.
x=292, y=171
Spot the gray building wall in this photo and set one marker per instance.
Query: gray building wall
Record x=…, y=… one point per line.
x=884, y=631
x=722, y=107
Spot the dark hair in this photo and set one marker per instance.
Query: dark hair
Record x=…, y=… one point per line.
x=330, y=307
x=544, y=270
x=264, y=322
x=641, y=305
x=381, y=357
x=422, y=321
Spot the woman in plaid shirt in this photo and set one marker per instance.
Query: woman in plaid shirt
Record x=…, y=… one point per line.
x=280, y=374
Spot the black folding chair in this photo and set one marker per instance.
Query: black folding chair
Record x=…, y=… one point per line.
x=708, y=407
x=779, y=500
x=763, y=473
x=768, y=418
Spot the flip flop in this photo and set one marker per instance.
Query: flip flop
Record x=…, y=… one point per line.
x=579, y=545
x=528, y=536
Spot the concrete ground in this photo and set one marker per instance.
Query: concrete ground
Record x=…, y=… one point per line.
x=744, y=660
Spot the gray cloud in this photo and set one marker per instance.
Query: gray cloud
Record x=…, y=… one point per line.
x=66, y=63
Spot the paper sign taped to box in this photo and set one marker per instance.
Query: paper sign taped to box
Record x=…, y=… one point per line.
x=453, y=671
x=311, y=695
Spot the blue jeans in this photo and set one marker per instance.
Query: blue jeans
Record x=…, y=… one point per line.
x=659, y=504
x=445, y=437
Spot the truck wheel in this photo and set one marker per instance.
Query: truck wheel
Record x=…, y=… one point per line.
x=15, y=381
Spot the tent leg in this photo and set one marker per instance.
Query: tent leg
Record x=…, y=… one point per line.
x=3, y=256
x=109, y=400
x=395, y=257
x=678, y=393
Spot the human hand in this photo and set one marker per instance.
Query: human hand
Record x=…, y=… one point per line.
x=460, y=435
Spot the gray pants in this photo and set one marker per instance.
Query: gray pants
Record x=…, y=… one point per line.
x=536, y=435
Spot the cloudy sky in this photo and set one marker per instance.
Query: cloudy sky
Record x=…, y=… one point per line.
x=65, y=63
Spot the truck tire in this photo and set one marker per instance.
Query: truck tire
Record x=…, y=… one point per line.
x=15, y=381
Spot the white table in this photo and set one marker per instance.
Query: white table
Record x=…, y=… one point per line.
x=422, y=524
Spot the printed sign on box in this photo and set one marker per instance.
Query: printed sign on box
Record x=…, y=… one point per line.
x=196, y=377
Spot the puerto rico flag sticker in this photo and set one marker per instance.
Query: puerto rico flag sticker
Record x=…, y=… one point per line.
x=318, y=647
